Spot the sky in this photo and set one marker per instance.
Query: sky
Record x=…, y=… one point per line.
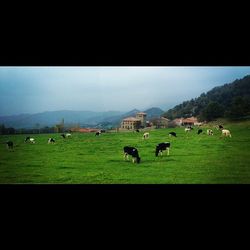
x=38, y=89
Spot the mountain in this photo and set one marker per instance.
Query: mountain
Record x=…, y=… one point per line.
x=71, y=118
x=50, y=118
x=232, y=100
x=154, y=112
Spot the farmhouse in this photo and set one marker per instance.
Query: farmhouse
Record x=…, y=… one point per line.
x=178, y=121
x=134, y=122
x=191, y=121
x=161, y=122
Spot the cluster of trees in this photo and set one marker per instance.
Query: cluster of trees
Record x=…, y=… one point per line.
x=229, y=101
x=58, y=128
x=45, y=130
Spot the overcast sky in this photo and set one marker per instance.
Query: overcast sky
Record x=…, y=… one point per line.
x=39, y=89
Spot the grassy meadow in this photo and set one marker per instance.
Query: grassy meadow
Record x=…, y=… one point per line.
x=87, y=159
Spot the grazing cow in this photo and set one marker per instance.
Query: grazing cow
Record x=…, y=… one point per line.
x=9, y=144
x=162, y=146
x=98, y=133
x=51, y=140
x=137, y=130
x=187, y=130
x=133, y=152
x=199, y=131
x=210, y=132
x=63, y=135
x=221, y=127
x=68, y=135
x=29, y=139
x=146, y=135
x=172, y=134
x=103, y=131
x=226, y=132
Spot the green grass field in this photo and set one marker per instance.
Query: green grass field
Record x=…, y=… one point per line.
x=85, y=159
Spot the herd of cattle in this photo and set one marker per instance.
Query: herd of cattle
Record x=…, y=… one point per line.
x=132, y=151
x=165, y=146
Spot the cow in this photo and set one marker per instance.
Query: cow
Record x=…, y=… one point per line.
x=225, y=132
x=10, y=144
x=221, y=127
x=210, y=132
x=187, y=130
x=133, y=152
x=137, y=131
x=199, y=131
x=51, y=140
x=29, y=139
x=68, y=135
x=63, y=135
x=172, y=134
x=146, y=135
x=98, y=133
x=161, y=147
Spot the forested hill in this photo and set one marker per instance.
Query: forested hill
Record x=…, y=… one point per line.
x=229, y=101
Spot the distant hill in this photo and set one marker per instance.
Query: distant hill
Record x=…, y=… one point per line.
x=50, y=118
x=231, y=101
x=71, y=118
x=153, y=112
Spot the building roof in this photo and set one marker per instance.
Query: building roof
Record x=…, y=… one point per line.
x=190, y=119
x=164, y=118
x=178, y=120
x=141, y=113
x=131, y=119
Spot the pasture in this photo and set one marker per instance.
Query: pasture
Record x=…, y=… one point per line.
x=89, y=159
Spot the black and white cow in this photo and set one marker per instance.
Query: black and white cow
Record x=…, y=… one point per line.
x=161, y=147
x=10, y=144
x=146, y=135
x=51, y=140
x=172, y=134
x=187, y=130
x=226, y=133
x=199, y=131
x=210, y=132
x=29, y=139
x=133, y=152
x=98, y=133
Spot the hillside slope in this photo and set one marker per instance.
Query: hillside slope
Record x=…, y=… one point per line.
x=231, y=100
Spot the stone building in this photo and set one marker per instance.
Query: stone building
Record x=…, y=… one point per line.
x=134, y=122
x=142, y=117
x=131, y=123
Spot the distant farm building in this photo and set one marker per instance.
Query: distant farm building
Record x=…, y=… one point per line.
x=161, y=122
x=191, y=121
x=134, y=122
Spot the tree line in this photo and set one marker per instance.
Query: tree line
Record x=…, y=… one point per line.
x=58, y=128
x=230, y=101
